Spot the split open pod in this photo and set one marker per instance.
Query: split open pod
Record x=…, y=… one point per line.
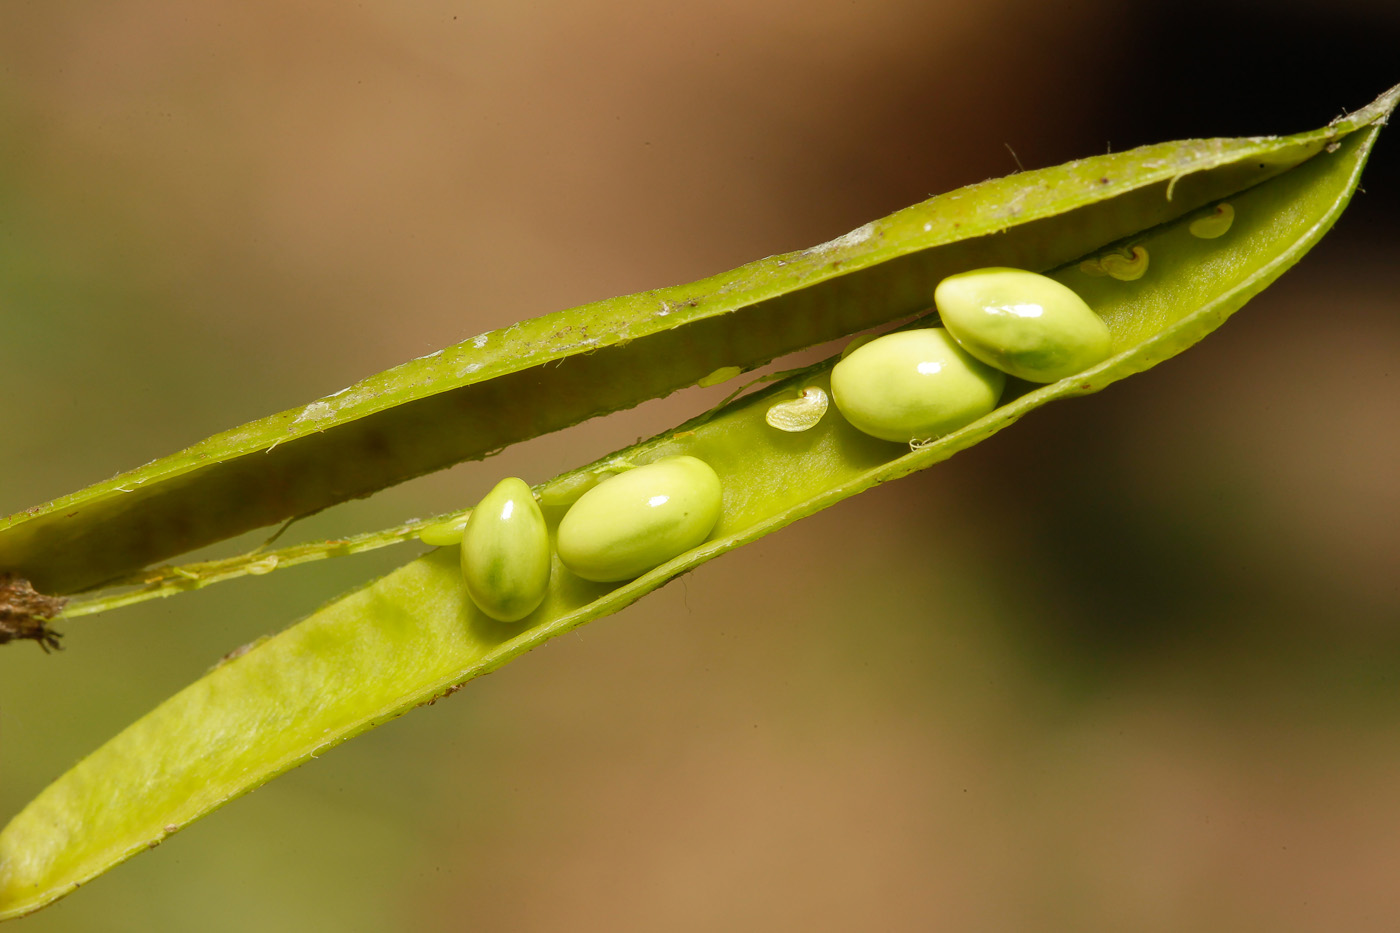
x=1114, y=229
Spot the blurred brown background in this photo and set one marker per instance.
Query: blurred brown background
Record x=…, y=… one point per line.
x=1133, y=665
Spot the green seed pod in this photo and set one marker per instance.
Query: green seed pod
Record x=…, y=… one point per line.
x=1024, y=324
x=638, y=520
x=913, y=384
x=505, y=552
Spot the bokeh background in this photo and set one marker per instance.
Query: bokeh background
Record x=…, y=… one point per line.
x=1132, y=665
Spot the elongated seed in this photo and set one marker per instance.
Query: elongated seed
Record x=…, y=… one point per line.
x=566, y=491
x=1022, y=323
x=505, y=552
x=629, y=524
x=443, y=534
x=723, y=374
x=914, y=384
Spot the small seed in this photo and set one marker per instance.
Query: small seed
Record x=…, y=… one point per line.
x=723, y=374
x=443, y=534
x=1125, y=265
x=1215, y=224
x=566, y=491
x=1126, y=268
x=798, y=414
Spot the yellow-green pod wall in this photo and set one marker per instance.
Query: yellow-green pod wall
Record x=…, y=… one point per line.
x=414, y=635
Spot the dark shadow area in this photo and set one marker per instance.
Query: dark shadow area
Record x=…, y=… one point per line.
x=1238, y=69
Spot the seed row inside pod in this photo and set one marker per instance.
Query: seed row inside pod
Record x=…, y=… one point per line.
x=907, y=387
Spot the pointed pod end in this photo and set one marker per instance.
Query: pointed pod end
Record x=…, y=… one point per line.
x=1377, y=111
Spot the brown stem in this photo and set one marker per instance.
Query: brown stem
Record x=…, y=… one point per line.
x=25, y=613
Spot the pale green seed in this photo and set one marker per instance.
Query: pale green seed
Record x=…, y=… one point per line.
x=723, y=374
x=1126, y=265
x=638, y=520
x=443, y=534
x=505, y=552
x=567, y=490
x=1215, y=224
x=912, y=385
x=1022, y=323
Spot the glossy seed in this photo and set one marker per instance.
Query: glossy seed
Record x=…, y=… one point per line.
x=638, y=520
x=1215, y=224
x=505, y=552
x=443, y=534
x=1022, y=323
x=798, y=414
x=913, y=384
